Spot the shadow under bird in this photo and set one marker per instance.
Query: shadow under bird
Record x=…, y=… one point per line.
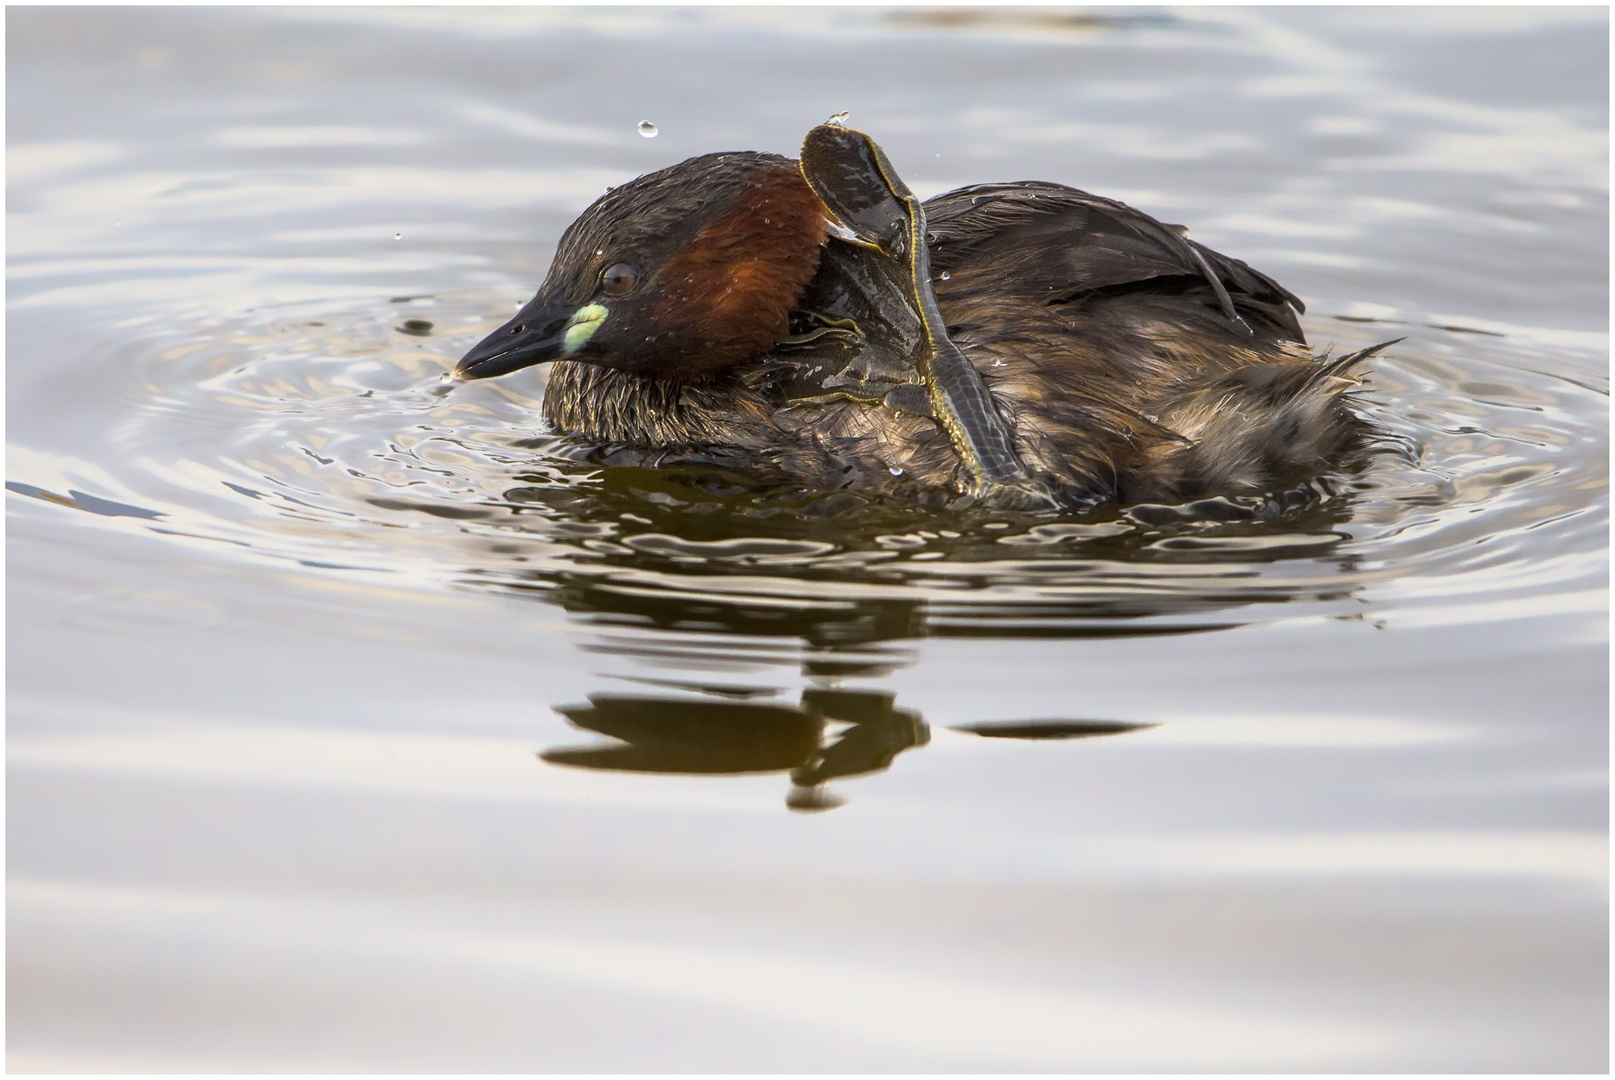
x=1022, y=345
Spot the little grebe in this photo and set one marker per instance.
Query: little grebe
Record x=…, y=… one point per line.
x=1040, y=346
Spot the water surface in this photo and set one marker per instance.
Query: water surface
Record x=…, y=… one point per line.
x=354, y=726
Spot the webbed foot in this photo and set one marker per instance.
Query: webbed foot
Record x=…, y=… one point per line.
x=853, y=178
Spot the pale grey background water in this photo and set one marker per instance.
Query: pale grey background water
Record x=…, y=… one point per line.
x=287, y=632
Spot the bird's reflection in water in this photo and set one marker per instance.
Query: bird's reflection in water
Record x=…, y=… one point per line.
x=701, y=726
x=710, y=606
x=828, y=735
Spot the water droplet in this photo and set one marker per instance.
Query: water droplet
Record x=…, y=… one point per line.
x=838, y=120
x=398, y=236
x=945, y=275
x=998, y=363
x=647, y=129
x=893, y=471
x=601, y=251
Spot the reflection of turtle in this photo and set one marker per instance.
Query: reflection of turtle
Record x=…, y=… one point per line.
x=665, y=735
x=1024, y=344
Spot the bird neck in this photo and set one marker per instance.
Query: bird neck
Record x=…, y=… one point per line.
x=607, y=405
x=726, y=297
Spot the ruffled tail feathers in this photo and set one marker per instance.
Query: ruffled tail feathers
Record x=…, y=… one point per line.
x=1336, y=374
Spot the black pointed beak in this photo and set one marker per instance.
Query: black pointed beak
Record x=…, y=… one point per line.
x=537, y=335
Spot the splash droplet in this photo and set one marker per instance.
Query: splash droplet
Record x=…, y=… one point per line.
x=893, y=471
x=838, y=120
x=945, y=275
x=398, y=236
x=647, y=129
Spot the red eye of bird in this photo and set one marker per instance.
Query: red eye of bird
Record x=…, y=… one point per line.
x=619, y=278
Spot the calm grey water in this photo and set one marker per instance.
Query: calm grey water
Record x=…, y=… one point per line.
x=352, y=727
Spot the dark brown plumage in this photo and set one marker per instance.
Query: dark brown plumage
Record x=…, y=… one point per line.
x=1128, y=362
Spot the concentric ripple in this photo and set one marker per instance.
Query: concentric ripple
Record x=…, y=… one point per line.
x=316, y=434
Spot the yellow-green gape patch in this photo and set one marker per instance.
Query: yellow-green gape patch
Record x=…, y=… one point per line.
x=582, y=325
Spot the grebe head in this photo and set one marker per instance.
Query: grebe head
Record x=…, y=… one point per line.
x=680, y=274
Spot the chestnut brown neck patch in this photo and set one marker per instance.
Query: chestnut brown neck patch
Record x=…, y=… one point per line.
x=730, y=290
